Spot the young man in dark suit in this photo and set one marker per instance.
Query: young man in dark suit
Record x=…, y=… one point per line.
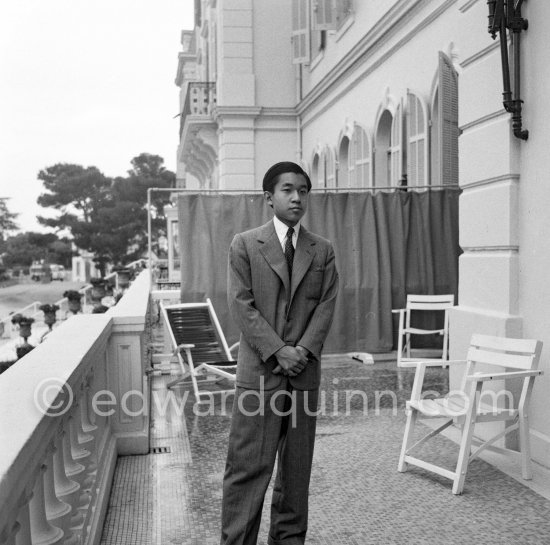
x=282, y=289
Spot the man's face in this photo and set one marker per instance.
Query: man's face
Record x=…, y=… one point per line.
x=289, y=198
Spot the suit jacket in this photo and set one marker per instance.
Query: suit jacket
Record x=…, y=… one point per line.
x=271, y=311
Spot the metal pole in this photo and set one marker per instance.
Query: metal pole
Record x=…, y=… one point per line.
x=149, y=237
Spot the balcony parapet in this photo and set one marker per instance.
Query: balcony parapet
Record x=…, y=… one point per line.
x=68, y=409
x=200, y=101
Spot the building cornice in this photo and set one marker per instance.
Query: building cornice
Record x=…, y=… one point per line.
x=386, y=29
x=182, y=59
x=226, y=111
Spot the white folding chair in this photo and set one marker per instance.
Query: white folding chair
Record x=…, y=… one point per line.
x=468, y=405
x=424, y=303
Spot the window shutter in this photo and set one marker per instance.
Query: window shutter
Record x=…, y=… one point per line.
x=324, y=15
x=448, y=121
x=300, y=31
x=417, y=141
x=330, y=169
x=396, y=155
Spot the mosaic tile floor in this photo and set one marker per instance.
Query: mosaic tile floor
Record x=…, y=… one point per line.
x=357, y=495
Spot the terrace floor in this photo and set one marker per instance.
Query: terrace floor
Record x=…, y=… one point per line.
x=356, y=495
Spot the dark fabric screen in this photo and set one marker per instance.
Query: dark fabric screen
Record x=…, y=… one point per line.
x=386, y=245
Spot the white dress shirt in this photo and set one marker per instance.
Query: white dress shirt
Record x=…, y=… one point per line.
x=282, y=229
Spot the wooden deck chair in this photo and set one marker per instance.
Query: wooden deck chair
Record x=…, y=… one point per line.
x=473, y=404
x=200, y=345
x=422, y=303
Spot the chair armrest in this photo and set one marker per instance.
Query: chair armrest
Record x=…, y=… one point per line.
x=181, y=347
x=397, y=310
x=233, y=346
x=482, y=377
x=431, y=363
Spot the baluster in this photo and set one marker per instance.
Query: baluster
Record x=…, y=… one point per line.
x=23, y=535
x=58, y=512
x=67, y=489
x=74, y=470
x=86, y=480
x=79, y=454
x=88, y=421
x=42, y=532
x=89, y=430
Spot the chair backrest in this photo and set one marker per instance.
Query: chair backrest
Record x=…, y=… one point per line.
x=197, y=323
x=521, y=354
x=430, y=302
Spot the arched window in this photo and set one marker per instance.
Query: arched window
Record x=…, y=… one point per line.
x=330, y=167
x=417, y=141
x=382, y=147
x=360, y=158
x=444, y=126
x=316, y=180
x=344, y=163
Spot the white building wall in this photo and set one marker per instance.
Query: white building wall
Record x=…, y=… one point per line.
x=534, y=219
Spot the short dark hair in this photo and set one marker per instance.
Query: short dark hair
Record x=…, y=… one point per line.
x=270, y=178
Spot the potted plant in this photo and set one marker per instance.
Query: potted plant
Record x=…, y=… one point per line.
x=49, y=311
x=24, y=323
x=73, y=300
x=98, y=289
x=123, y=277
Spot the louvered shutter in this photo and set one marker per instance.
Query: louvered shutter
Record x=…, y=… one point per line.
x=300, y=31
x=417, y=141
x=324, y=14
x=330, y=169
x=448, y=121
x=396, y=155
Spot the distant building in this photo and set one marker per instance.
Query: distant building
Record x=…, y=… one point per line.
x=380, y=94
x=83, y=267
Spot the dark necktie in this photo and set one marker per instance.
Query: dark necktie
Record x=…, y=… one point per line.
x=289, y=250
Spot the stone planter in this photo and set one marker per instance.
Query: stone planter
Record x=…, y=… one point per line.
x=75, y=306
x=98, y=290
x=50, y=316
x=50, y=319
x=123, y=278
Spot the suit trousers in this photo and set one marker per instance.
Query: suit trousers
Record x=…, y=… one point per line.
x=267, y=423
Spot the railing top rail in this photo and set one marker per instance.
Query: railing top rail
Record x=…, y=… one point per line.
x=34, y=305
x=313, y=190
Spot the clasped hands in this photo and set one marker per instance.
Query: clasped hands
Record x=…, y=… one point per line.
x=291, y=360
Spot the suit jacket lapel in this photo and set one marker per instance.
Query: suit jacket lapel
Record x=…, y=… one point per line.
x=271, y=249
x=305, y=250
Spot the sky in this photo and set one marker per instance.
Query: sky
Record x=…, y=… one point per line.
x=89, y=82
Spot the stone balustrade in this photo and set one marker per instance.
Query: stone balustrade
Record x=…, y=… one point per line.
x=68, y=409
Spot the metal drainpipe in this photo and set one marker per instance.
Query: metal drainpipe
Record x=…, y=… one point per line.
x=298, y=117
x=149, y=239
